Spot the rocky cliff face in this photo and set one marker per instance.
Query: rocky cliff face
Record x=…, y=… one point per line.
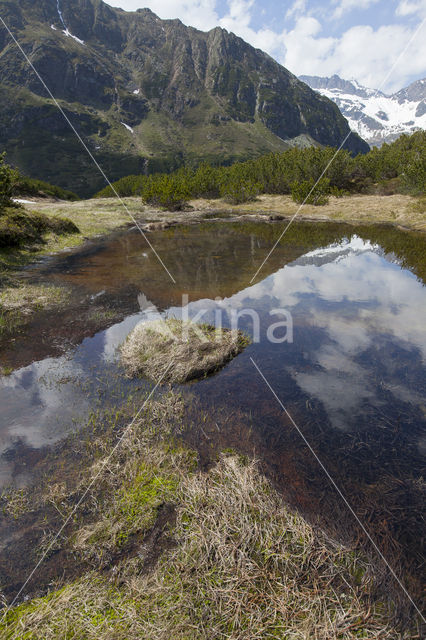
x=375, y=116
x=146, y=94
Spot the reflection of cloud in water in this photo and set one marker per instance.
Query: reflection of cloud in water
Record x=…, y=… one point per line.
x=39, y=402
x=350, y=301
x=340, y=395
x=42, y=410
x=115, y=335
x=354, y=297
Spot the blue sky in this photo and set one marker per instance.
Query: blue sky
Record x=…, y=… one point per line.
x=359, y=39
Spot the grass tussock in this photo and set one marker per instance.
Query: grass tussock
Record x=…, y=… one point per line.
x=30, y=297
x=195, y=350
x=242, y=567
x=18, y=303
x=18, y=227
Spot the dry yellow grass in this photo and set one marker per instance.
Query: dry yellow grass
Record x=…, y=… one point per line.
x=98, y=216
x=27, y=298
x=396, y=209
x=239, y=564
x=244, y=568
x=175, y=351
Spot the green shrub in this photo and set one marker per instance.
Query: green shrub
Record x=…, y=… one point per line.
x=240, y=191
x=8, y=177
x=307, y=192
x=167, y=192
x=414, y=176
x=18, y=227
x=395, y=167
x=24, y=186
x=338, y=193
x=125, y=187
x=206, y=182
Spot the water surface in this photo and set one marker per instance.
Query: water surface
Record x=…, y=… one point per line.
x=353, y=378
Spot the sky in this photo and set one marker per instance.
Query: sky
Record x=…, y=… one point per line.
x=357, y=39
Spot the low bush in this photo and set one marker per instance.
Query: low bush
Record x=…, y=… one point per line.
x=167, y=192
x=24, y=186
x=125, y=187
x=8, y=177
x=307, y=192
x=240, y=191
x=398, y=167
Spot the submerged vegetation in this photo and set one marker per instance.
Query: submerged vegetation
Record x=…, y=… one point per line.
x=394, y=168
x=173, y=350
x=20, y=301
x=163, y=549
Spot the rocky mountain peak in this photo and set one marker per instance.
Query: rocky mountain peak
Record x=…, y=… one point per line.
x=147, y=94
x=375, y=116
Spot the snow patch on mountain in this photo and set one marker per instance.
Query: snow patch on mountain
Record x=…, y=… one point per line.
x=70, y=35
x=129, y=128
x=375, y=116
x=65, y=29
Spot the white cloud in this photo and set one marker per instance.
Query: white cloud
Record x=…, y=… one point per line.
x=360, y=52
x=298, y=8
x=344, y=6
x=408, y=8
x=239, y=12
x=306, y=52
x=201, y=14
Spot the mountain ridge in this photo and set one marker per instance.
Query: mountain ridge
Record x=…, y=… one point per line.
x=146, y=94
x=374, y=115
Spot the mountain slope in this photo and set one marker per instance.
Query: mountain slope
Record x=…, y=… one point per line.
x=145, y=93
x=375, y=116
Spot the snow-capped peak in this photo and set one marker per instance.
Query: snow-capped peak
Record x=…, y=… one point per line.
x=376, y=117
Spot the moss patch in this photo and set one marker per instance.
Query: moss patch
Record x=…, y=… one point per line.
x=175, y=351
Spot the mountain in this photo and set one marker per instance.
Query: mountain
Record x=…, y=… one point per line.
x=375, y=116
x=146, y=94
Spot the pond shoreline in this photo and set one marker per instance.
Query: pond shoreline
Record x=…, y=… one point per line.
x=18, y=267
x=130, y=529
x=99, y=217
x=135, y=516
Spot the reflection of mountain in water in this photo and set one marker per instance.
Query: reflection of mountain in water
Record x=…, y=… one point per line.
x=337, y=251
x=359, y=346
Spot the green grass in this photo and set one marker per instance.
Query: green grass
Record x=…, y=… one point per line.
x=18, y=227
x=20, y=301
